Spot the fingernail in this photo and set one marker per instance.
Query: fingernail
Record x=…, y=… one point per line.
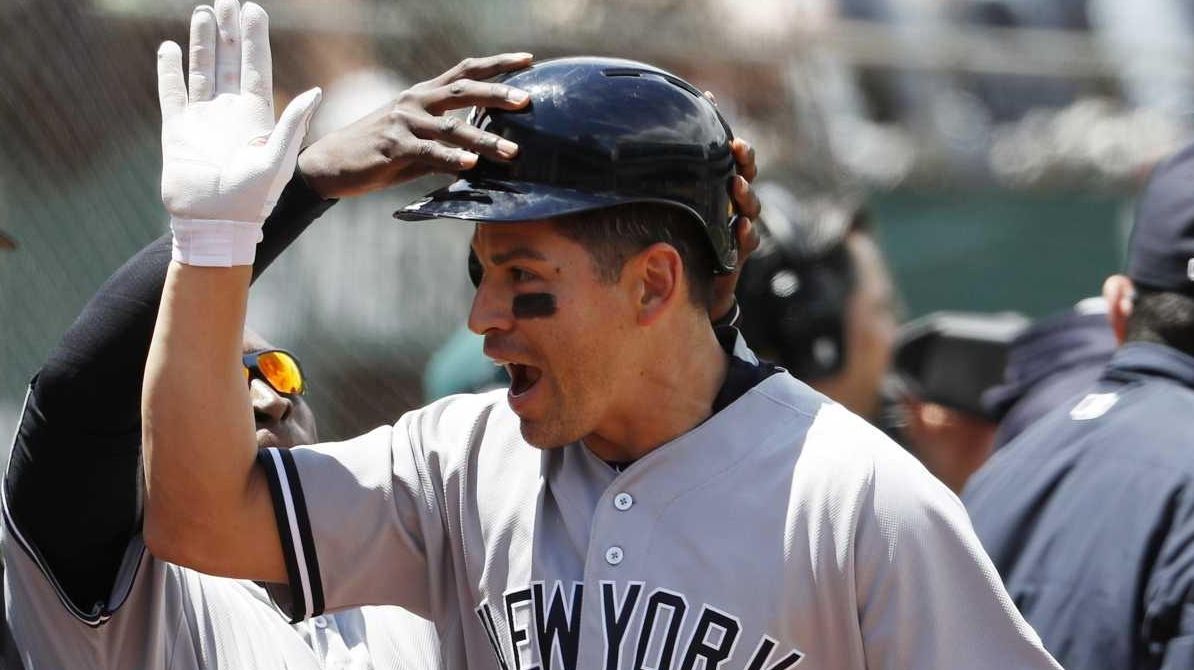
x=516, y=96
x=525, y=55
x=467, y=159
x=507, y=148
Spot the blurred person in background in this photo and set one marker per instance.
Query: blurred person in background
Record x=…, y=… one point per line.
x=817, y=297
x=1058, y=357
x=80, y=589
x=377, y=351
x=944, y=362
x=1089, y=513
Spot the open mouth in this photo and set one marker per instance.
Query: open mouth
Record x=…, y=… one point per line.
x=522, y=378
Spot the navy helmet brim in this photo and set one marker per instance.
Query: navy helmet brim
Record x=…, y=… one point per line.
x=491, y=200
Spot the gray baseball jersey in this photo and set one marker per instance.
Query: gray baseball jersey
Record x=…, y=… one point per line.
x=782, y=531
x=162, y=616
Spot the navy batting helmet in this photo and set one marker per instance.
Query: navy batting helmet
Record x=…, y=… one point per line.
x=599, y=132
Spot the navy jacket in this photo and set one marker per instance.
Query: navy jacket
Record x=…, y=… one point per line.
x=1089, y=517
x=1060, y=356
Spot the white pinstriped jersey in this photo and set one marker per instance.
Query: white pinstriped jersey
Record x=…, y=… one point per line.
x=782, y=531
x=164, y=617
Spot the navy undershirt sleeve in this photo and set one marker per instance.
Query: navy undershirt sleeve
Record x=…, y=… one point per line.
x=73, y=486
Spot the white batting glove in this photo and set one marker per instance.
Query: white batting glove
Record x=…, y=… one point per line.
x=224, y=162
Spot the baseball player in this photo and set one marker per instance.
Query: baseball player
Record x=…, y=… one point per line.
x=644, y=494
x=1089, y=512
x=80, y=588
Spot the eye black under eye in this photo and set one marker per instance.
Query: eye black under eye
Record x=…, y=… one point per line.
x=475, y=271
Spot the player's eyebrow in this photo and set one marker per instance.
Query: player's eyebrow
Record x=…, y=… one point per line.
x=517, y=253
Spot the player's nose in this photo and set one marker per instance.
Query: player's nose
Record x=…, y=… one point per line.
x=268, y=404
x=491, y=311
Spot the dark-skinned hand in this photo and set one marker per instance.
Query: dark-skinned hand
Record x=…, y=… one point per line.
x=747, y=207
x=413, y=136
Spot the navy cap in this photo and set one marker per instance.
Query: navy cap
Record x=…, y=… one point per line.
x=951, y=358
x=1161, y=251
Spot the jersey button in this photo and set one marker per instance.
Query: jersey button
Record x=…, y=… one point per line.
x=320, y=622
x=613, y=555
x=623, y=501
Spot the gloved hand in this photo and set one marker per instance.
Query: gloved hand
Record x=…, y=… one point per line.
x=224, y=162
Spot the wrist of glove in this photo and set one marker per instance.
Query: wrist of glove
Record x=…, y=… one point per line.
x=218, y=229
x=224, y=159
x=208, y=243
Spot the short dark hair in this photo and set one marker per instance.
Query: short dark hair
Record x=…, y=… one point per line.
x=1164, y=317
x=613, y=234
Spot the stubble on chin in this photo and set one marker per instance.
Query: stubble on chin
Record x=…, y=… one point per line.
x=542, y=436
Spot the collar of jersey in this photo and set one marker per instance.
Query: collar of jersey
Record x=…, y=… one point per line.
x=773, y=416
x=1147, y=359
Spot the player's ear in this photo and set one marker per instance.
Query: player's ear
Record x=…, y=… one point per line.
x=1119, y=292
x=657, y=273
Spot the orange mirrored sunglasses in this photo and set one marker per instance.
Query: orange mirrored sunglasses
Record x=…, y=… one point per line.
x=278, y=368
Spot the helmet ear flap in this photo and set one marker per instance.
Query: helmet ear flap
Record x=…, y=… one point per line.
x=475, y=270
x=731, y=249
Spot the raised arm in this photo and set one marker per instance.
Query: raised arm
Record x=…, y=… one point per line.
x=208, y=504
x=223, y=163
x=73, y=488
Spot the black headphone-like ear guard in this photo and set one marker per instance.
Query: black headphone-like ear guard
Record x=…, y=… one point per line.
x=795, y=288
x=475, y=270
